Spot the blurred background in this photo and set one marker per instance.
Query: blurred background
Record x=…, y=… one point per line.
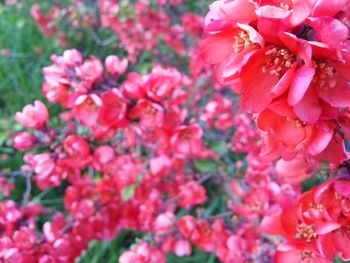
x=24, y=51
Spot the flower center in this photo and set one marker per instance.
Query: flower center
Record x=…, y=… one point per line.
x=242, y=41
x=318, y=207
x=279, y=61
x=307, y=256
x=298, y=123
x=325, y=75
x=306, y=232
x=344, y=204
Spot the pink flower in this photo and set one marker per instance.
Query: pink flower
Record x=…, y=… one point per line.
x=47, y=173
x=23, y=141
x=161, y=83
x=113, y=110
x=103, y=155
x=290, y=135
x=87, y=109
x=192, y=23
x=78, y=151
x=150, y=115
x=182, y=248
x=229, y=47
x=90, y=72
x=164, y=222
x=116, y=66
x=143, y=253
x=132, y=87
x=294, y=171
x=160, y=165
x=186, y=141
x=192, y=194
x=34, y=116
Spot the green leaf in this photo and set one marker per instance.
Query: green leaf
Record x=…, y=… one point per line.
x=128, y=192
x=139, y=179
x=219, y=147
x=206, y=166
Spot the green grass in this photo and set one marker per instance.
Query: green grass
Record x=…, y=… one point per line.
x=20, y=74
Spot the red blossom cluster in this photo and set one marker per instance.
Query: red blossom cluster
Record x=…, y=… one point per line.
x=289, y=61
x=316, y=227
x=127, y=150
x=139, y=26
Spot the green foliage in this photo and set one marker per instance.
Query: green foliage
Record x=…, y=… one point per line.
x=197, y=256
x=20, y=73
x=206, y=166
x=128, y=192
x=109, y=251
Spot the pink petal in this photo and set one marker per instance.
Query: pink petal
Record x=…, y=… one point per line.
x=308, y=110
x=303, y=78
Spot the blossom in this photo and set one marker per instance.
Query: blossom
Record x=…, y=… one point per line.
x=24, y=141
x=142, y=253
x=115, y=66
x=34, y=116
x=87, y=109
x=192, y=194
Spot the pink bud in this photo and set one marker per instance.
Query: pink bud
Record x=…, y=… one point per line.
x=23, y=141
x=182, y=248
x=116, y=66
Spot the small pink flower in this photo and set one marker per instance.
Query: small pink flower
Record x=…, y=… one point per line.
x=23, y=141
x=164, y=222
x=90, y=71
x=191, y=194
x=87, y=108
x=116, y=66
x=182, y=248
x=33, y=116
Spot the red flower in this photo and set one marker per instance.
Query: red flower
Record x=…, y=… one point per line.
x=150, y=115
x=113, y=110
x=87, y=109
x=187, y=141
x=192, y=194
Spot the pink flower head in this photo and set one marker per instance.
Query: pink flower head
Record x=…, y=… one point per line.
x=34, y=116
x=191, y=194
x=116, y=66
x=182, y=248
x=87, y=109
x=161, y=82
x=23, y=141
x=47, y=173
x=160, y=165
x=77, y=149
x=133, y=86
x=90, y=72
x=143, y=253
x=186, y=141
x=113, y=110
x=151, y=115
x=192, y=23
x=103, y=155
x=164, y=222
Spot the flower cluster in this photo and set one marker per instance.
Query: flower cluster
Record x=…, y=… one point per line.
x=171, y=156
x=139, y=26
x=316, y=227
x=289, y=61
